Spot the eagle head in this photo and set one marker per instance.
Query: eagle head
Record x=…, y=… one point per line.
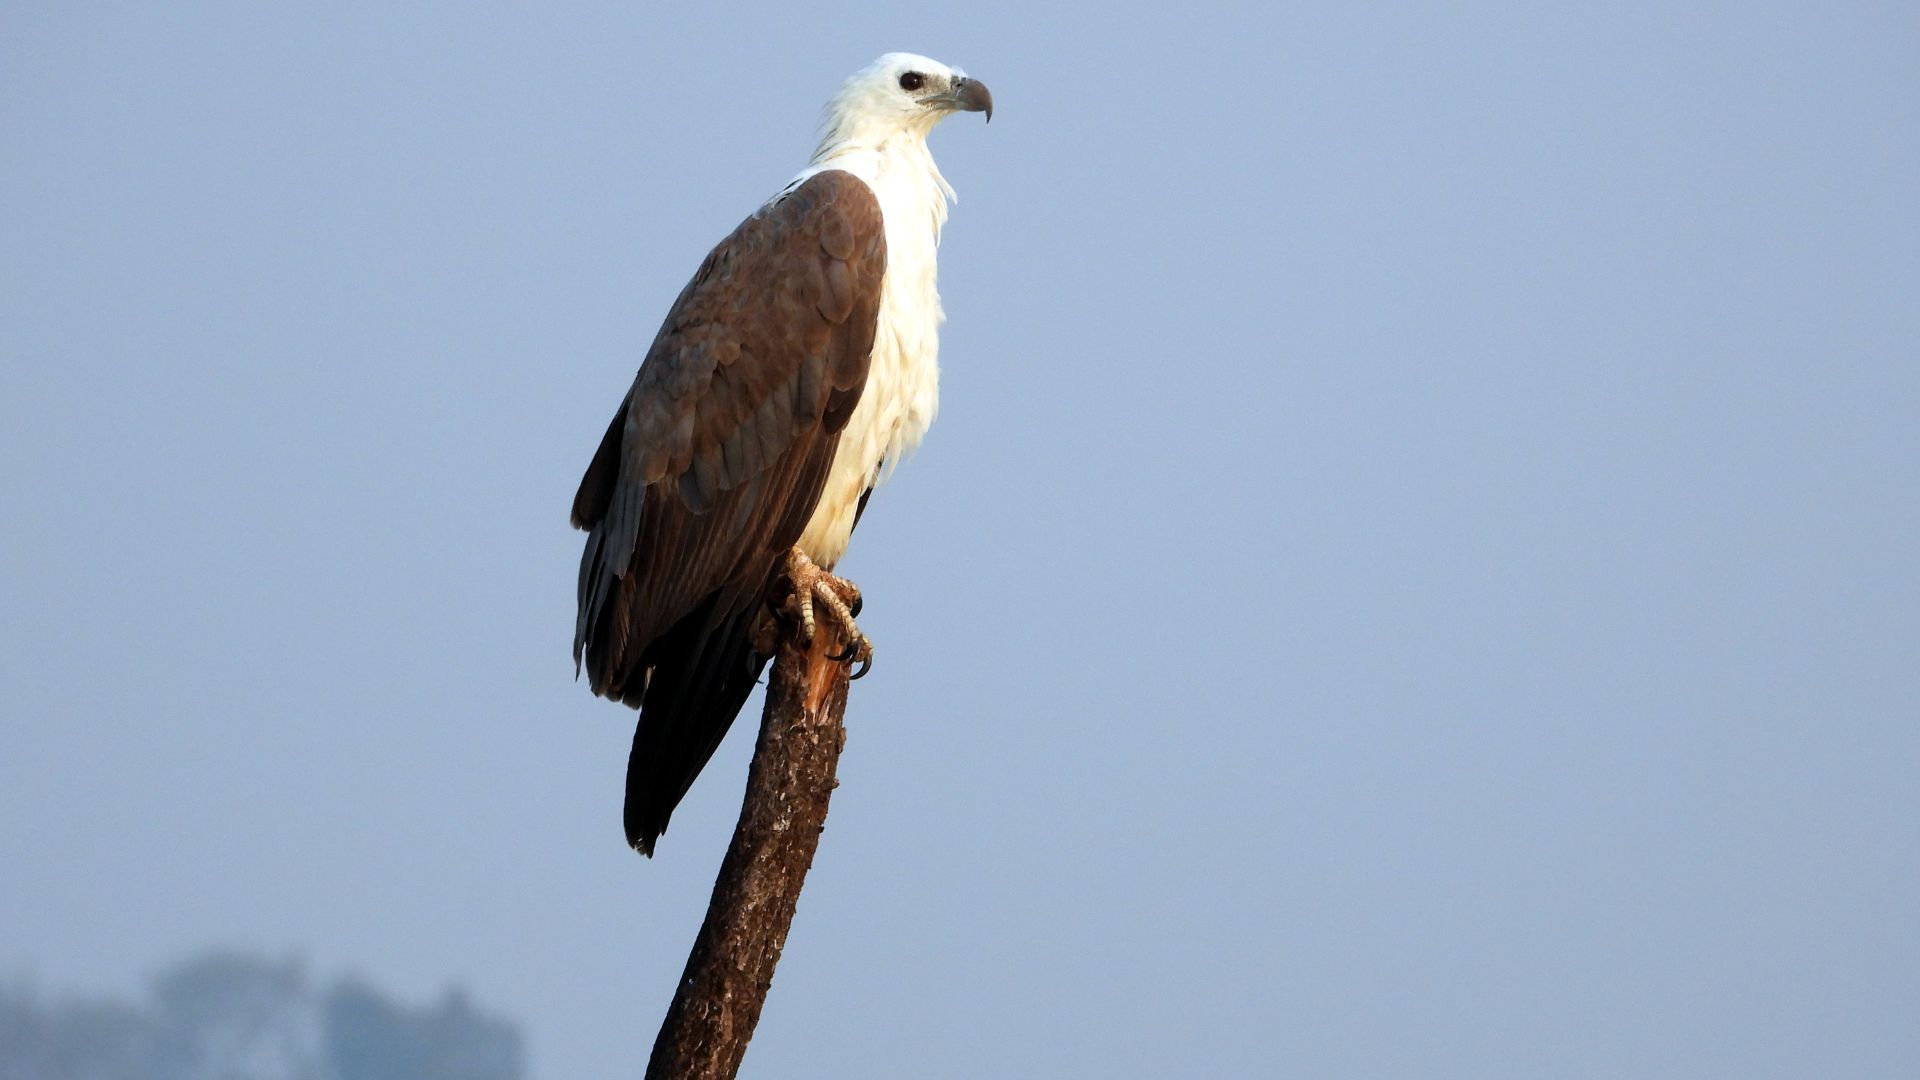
x=908, y=92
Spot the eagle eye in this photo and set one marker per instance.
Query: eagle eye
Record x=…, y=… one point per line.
x=912, y=80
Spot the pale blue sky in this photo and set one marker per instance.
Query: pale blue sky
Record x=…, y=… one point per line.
x=1415, y=574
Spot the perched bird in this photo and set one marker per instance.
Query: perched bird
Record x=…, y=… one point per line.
x=792, y=372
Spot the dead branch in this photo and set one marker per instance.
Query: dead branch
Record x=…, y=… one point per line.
x=725, y=983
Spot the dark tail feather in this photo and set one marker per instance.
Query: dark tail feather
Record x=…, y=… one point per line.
x=702, y=672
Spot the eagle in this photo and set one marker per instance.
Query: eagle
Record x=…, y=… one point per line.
x=788, y=378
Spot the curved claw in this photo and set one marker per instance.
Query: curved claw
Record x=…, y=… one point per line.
x=839, y=600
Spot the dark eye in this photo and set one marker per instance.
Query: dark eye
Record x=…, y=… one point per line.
x=912, y=80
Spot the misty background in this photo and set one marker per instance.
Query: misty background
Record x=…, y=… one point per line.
x=237, y=1016
x=1414, y=575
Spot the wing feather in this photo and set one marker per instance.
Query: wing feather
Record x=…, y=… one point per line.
x=714, y=463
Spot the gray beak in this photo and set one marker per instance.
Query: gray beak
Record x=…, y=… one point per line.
x=970, y=95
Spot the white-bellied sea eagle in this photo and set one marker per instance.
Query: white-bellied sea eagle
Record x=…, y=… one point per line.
x=797, y=364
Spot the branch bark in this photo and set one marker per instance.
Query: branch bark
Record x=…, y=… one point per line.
x=725, y=983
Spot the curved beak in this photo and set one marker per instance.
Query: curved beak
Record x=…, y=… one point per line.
x=968, y=95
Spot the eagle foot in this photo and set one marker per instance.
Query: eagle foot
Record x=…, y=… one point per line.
x=816, y=588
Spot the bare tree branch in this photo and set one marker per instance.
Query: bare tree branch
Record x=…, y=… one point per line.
x=725, y=983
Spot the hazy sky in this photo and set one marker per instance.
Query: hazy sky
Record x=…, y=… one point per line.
x=1415, y=575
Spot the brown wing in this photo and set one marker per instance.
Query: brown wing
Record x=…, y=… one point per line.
x=712, y=467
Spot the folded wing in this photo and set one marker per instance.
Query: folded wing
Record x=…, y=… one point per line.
x=711, y=468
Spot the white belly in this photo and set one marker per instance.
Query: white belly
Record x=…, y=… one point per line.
x=895, y=410
x=903, y=375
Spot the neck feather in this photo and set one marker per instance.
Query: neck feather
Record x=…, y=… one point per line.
x=893, y=160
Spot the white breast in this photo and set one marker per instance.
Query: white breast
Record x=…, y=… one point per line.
x=903, y=377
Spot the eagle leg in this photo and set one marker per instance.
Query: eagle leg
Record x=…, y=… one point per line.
x=816, y=588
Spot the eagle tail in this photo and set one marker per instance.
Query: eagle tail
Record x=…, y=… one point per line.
x=702, y=671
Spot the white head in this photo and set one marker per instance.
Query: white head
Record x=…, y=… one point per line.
x=900, y=94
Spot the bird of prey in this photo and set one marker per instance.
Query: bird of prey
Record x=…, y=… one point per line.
x=790, y=375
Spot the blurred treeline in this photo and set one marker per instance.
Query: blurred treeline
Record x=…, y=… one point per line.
x=230, y=1016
